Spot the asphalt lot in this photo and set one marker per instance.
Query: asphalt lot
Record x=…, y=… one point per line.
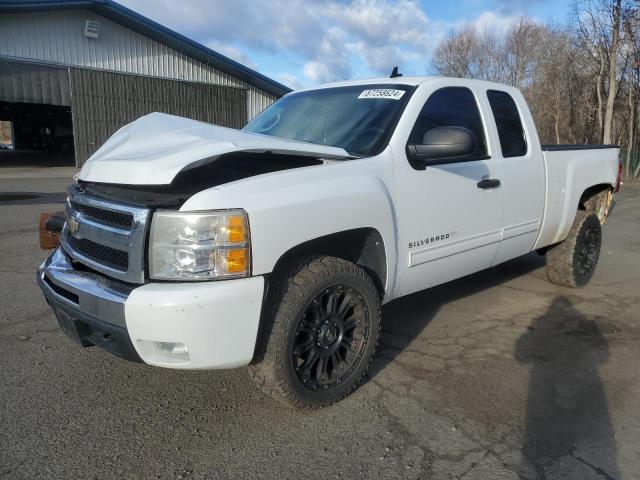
x=500, y=375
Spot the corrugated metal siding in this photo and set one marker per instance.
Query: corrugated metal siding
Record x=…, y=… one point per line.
x=24, y=82
x=58, y=37
x=104, y=101
x=258, y=101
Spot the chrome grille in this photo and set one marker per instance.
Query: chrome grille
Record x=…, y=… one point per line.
x=107, y=237
x=100, y=253
x=108, y=217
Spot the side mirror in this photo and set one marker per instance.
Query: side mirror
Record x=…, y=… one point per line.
x=442, y=144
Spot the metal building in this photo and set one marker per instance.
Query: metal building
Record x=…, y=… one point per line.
x=74, y=71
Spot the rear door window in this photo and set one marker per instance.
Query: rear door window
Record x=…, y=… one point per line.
x=512, y=139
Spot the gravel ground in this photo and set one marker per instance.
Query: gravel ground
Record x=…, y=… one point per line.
x=500, y=375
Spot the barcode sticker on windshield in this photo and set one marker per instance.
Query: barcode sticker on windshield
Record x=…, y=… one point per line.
x=388, y=93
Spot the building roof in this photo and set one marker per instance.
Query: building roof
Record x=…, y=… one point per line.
x=145, y=26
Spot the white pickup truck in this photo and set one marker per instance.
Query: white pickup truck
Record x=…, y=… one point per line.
x=188, y=245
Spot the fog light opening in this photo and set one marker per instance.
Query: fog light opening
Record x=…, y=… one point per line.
x=175, y=350
x=160, y=353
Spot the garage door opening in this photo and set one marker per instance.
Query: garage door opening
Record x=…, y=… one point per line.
x=36, y=134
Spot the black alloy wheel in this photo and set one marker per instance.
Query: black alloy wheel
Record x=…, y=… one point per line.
x=588, y=249
x=320, y=332
x=572, y=262
x=331, y=336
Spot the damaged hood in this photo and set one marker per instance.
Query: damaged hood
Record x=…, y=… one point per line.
x=155, y=148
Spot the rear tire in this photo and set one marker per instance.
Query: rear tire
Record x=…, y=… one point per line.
x=598, y=204
x=324, y=328
x=572, y=262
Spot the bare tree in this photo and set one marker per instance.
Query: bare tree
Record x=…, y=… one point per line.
x=454, y=55
x=632, y=50
x=535, y=58
x=467, y=53
x=591, y=35
x=616, y=12
x=600, y=32
x=582, y=81
x=522, y=47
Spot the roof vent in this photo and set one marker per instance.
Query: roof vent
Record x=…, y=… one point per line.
x=92, y=29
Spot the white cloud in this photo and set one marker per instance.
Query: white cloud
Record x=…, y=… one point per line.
x=492, y=22
x=318, y=72
x=328, y=35
x=232, y=52
x=332, y=59
x=514, y=7
x=267, y=24
x=322, y=40
x=289, y=80
x=383, y=33
x=380, y=22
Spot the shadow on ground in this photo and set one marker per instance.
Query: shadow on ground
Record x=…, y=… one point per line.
x=566, y=416
x=566, y=404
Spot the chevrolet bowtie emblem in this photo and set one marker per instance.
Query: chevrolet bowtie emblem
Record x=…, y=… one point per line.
x=73, y=225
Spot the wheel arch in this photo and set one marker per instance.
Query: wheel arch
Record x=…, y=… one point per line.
x=363, y=246
x=593, y=191
x=560, y=217
x=597, y=199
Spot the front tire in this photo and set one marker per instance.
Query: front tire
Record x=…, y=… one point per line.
x=572, y=262
x=325, y=323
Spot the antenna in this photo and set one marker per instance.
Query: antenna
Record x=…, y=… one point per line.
x=395, y=73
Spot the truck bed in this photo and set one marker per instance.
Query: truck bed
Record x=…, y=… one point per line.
x=569, y=171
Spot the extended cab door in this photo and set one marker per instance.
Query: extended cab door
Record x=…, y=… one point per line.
x=523, y=178
x=450, y=213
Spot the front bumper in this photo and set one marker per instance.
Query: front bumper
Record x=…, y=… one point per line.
x=215, y=322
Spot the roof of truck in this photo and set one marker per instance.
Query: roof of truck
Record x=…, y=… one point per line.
x=370, y=81
x=413, y=81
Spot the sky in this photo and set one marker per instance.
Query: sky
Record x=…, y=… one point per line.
x=304, y=43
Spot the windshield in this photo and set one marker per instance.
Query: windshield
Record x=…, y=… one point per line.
x=359, y=119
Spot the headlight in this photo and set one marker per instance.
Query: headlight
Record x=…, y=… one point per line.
x=199, y=245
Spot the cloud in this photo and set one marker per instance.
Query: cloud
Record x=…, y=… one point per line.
x=383, y=33
x=382, y=22
x=266, y=24
x=492, y=22
x=320, y=40
x=232, y=52
x=332, y=59
x=514, y=7
x=325, y=36
x=288, y=79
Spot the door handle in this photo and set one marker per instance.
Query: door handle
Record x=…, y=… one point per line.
x=489, y=183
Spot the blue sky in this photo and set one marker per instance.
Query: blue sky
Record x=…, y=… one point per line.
x=301, y=43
